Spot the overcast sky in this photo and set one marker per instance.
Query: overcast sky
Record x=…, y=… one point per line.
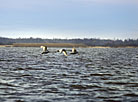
x=108, y=19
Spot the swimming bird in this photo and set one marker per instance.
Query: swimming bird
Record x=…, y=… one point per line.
x=74, y=51
x=63, y=51
x=45, y=51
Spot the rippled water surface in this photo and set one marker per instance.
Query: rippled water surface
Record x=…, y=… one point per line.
x=95, y=74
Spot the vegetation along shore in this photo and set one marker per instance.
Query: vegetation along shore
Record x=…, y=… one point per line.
x=86, y=42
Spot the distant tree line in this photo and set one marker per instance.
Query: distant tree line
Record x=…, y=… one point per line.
x=87, y=41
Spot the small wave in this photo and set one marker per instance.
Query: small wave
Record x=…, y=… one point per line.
x=101, y=74
x=131, y=95
x=84, y=86
x=8, y=84
x=112, y=100
x=6, y=60
x=115, y=63
x=78, y=86
x=29, y=68
x=117, y=83
x=133, y=85
x=20, y=101
x=89, y=65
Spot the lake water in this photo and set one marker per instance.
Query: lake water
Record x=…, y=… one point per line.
x=93, y=75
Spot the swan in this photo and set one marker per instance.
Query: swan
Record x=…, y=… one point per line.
x=63, y=51
x=74, y=51
x=45, y=51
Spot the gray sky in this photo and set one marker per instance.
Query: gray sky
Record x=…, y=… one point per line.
x=69, y=18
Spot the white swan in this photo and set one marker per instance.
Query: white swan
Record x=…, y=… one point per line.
x=74, y=51
x=45, y=51
x=62, y=51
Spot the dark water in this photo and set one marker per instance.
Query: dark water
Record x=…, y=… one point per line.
x=96, y=74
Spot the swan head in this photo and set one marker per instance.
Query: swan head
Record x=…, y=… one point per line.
x=74, y=50
x=44, y=48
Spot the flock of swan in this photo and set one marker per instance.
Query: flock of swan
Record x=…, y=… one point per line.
x=45, y=51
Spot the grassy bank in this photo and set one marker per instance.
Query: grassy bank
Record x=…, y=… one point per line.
x=6, y=45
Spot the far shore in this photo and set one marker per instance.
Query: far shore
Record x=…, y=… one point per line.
x=48, y=45
x=69, y=45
